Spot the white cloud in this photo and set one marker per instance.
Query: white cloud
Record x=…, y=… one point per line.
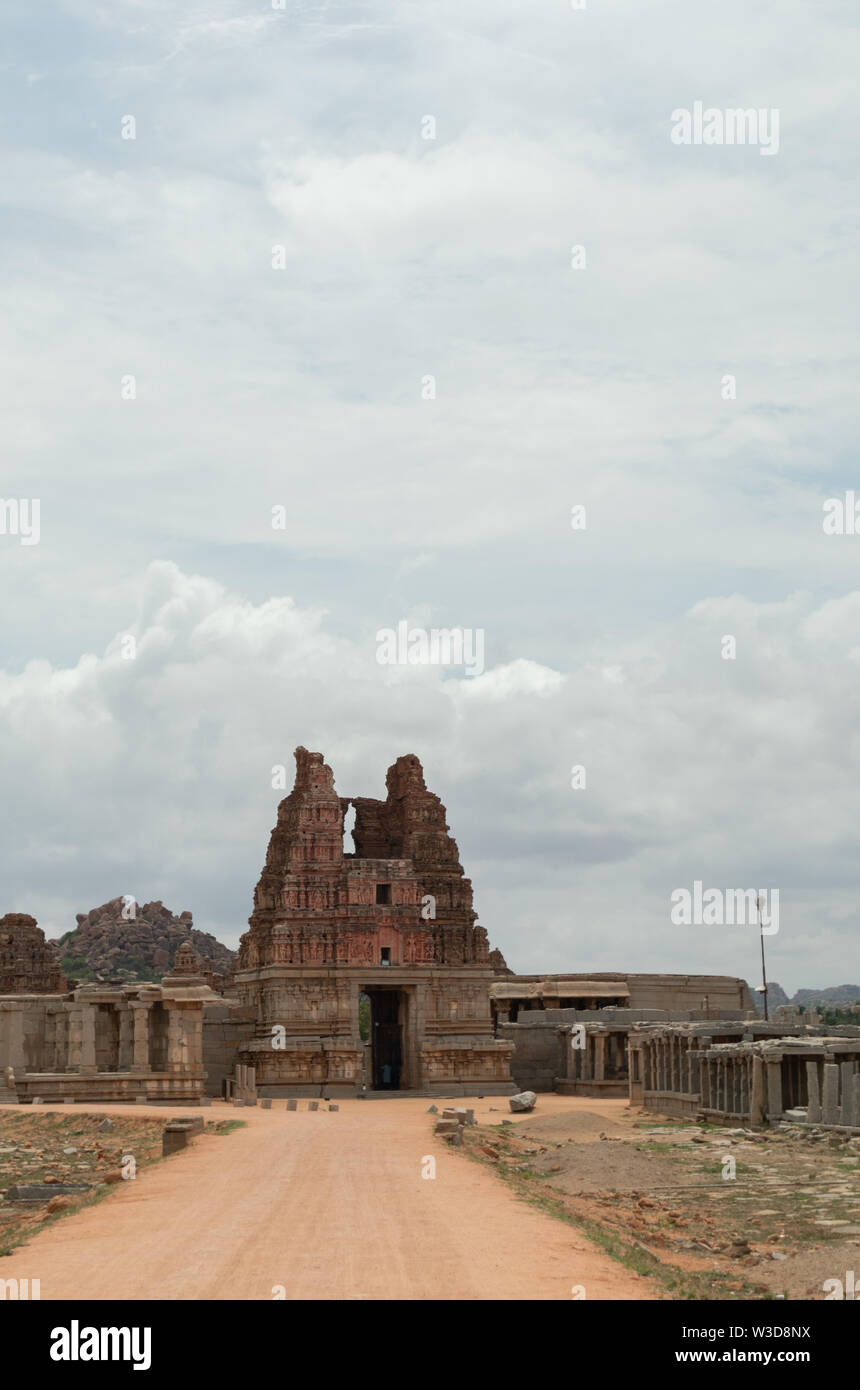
x=153, y=776
x=302, y=388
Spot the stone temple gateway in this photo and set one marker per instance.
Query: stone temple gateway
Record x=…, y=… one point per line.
x=392, y=921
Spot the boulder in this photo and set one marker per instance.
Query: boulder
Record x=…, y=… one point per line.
x=525, y=1100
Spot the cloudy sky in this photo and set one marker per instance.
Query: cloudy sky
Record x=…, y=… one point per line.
x=280, y=259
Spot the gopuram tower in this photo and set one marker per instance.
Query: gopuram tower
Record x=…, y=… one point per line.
x=390, y=925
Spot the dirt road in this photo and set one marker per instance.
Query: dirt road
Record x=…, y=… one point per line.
x=326, y=1205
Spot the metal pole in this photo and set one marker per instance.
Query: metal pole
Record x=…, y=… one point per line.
x=763, y=970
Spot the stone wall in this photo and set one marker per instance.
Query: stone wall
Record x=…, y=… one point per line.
x=537, y=1058
x=227, y=1027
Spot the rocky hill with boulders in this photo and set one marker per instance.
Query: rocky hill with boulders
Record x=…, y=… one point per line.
x=831, y=996
x=124, y=940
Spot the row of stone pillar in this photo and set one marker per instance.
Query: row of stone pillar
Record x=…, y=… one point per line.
x=833, y=1092
x=74, y=1040
x=587, y=1063
x=668, y=1065
x=728, y=1085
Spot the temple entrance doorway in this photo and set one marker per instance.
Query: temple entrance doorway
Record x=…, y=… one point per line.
x=387, y=1018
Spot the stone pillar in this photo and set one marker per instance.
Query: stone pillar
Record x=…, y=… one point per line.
x=177, y=1047
x=88, y=1038
x=599, y=1056
x=733, y=1086
x=636, y=1073
x=14, y=1037
x=757, y=1093
x=813, y=1092
x=695, y=1083
x=830, y=1095
x=140, y=1013
x=847, y=1115
x=59, y=1018
x=705, y=1083
x=126, y=1038
x=774, y=1091
x=74, y=1052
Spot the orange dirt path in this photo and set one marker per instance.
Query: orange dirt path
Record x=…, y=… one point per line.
x=330, y=1205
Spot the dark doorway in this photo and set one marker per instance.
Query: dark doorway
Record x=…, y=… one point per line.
x=386, y=1038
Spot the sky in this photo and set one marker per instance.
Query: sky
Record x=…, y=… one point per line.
x=296, y=347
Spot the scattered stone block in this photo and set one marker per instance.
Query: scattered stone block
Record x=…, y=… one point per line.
x=432, y=1110
x=194, y=1122
x=522, y=1102
x=175, y=1137
x=105, y=1124
x=446, y=1127
x=334, y=1107
x=266, y=1104
x=313, y=1105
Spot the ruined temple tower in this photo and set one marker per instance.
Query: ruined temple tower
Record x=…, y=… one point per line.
x=28, y=964
x=392, y=921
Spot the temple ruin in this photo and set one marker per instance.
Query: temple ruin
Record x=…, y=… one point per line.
x=28, y=965
x=108, y=1043
x=391, y=922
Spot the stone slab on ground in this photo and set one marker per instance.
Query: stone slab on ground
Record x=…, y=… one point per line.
x=43, y=1192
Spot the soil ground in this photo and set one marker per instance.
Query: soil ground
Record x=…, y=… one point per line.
x=581, y=1195
x=313, y=1205
x=654, y=1191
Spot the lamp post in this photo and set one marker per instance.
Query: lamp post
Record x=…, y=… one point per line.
x=763, y=970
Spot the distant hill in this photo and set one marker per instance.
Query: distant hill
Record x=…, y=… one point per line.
x=106, y=945
x=833, y=996
x=837, y=994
